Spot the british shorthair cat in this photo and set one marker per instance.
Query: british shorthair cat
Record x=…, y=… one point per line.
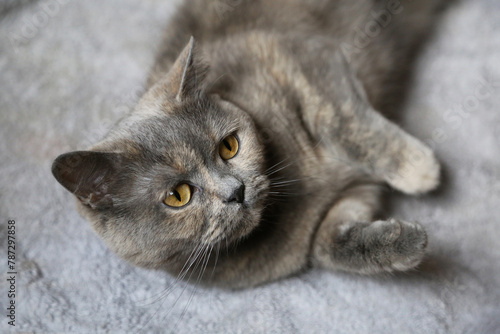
x=258, y=149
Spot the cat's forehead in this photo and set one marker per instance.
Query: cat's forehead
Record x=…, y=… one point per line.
x=197, y=124
x=188, y=133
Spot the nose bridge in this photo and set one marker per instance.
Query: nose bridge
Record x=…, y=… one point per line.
x=221, y=185
x=227, y=187
x=230, y=182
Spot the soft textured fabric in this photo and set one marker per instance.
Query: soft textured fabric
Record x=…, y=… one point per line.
x=69, y=69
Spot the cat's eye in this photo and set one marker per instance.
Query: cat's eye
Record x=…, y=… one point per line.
x=229, y=147
x=179, y=196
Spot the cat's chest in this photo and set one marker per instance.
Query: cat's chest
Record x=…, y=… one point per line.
x=303, y=182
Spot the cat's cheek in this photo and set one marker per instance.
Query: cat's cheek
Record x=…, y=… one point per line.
x=186, y=224
x=259, y=191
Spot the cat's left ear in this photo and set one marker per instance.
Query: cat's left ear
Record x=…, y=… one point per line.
x=89, y=175
x=188, y=72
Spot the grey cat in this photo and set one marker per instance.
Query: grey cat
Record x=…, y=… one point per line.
x=257, y=151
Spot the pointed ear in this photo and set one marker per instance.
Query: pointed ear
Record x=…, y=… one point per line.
x=187, y=73
x=88, y=175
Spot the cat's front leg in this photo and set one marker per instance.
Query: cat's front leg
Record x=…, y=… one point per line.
x=345, y=118
x=347, y=240
x=411, y=168
x=389, y=153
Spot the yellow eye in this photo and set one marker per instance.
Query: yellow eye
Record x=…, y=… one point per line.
x=178, y=197
x=228, y=147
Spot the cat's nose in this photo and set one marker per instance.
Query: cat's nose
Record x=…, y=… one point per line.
x=238, y=195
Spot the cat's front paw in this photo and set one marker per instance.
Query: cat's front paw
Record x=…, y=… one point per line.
x=418, y=172
x=395, y=245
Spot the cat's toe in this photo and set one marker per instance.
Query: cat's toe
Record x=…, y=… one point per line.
x=409, y=249
x=398, y=245
x=418, y=173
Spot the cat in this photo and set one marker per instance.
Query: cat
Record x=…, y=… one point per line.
x=257, y=152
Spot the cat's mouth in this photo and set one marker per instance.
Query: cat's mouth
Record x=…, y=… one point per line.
x=237, y=220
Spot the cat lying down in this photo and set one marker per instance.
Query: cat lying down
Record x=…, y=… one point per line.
x=257, y=150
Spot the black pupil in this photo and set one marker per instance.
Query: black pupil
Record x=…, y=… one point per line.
x=177, y=195
x=227, y=145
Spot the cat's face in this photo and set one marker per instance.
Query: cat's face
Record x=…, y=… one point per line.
x=185, y=169
x=201, y=170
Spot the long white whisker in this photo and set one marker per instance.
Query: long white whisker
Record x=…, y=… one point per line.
x=195, y=260
x=169, y=289
x=279, y=169
x=275, y=165
x=181, y=274
x=285, y=182
x=216, y=258
x=204, y=262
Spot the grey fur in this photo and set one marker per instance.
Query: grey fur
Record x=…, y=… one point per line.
x=283, y=77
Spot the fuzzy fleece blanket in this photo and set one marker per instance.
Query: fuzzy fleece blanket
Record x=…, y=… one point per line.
x=69, y=69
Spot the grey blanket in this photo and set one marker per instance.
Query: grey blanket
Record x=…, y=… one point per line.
x=69, y=69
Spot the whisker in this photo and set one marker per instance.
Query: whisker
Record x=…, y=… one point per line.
x=197, y=258
x=204, y=262
x=180, y=276
x=216, y=258
x=215, y=81
x=170, y=288
x=279, y=169
x=280, y=193
x=285, y=182
x=275, y=165
x=279, y=186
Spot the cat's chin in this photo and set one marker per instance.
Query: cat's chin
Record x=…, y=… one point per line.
x=241, y=222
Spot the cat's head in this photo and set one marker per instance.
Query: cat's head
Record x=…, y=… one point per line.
x=185, y=169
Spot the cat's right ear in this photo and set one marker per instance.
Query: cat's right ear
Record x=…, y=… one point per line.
x=187, y=73
x=88, y=175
